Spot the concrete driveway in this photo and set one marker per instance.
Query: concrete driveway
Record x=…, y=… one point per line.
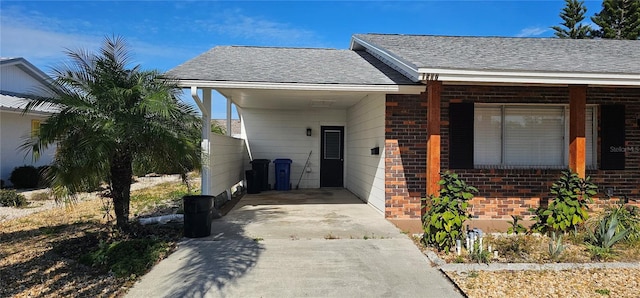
x=307, y=243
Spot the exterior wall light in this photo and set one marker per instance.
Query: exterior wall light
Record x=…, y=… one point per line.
x=308, y=132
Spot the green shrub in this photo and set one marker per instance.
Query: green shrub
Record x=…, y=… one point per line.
x=556, y=247
x=568, y=210
x=516, y=227
x=479, y=255
x=604, y=236
x=25, y=177
x=129, y=258
x=11, y=198
x=628, y=219
x=447, y=212
x=515, y=248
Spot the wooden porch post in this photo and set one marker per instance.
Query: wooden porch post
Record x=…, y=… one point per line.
x=577, y=145
x=434, y=89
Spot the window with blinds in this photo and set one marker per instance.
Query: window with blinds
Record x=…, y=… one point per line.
x=512, y=136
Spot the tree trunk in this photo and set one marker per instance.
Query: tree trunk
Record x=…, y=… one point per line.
x=121, y=171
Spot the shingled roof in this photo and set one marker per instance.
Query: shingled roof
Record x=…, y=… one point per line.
x=288, y=65
x=508, y=54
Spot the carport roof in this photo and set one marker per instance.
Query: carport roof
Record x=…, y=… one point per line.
x=288, y=65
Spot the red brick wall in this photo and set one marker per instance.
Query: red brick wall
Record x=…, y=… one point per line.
x=502, y=192
x=405, y=155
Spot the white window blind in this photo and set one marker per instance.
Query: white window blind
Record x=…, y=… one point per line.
x=487, y=135
x=526, y=136
x=533, y=136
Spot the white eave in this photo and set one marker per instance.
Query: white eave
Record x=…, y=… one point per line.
x=518, y=77
x=403, y=89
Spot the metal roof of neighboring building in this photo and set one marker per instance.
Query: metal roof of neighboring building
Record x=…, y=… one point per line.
x=288, y=65
x=13, y=103
x=510, y=54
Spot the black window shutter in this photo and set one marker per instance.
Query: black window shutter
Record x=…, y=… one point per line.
x=612, y=137
x=461, y=136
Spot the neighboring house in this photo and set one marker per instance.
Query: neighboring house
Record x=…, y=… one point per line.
x=18, y=80
x=236, y=130
x=391, y=113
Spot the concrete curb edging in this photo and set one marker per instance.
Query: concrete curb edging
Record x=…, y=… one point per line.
x=443, y=266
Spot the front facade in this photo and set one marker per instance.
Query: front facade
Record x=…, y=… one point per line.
x=19, y=80
x=386, y=117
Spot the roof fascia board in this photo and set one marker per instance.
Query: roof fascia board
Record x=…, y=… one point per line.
x=404, y=66
x=408, y=89
x=475, y=76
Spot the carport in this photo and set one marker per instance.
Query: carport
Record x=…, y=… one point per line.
x=325, y=104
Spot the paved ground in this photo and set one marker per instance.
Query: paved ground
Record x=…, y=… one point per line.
x=308, y=243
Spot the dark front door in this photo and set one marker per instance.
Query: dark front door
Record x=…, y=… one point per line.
x=332, y=156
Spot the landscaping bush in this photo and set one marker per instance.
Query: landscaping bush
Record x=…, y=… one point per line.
x=604, y=236
x=25, y=177
x=568, y=210
x=127, y=258
x=447, y=212
x=10, y=198
x=628, y=219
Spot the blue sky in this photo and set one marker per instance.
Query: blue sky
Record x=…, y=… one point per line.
x=164, y=34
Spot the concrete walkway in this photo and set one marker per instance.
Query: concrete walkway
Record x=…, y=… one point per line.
x=307, y=243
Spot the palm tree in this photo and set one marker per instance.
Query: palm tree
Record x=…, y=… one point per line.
x=110, y=114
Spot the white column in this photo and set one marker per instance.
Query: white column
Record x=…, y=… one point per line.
x=207, y=185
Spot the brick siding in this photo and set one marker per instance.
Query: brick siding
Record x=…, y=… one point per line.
x=502, y=192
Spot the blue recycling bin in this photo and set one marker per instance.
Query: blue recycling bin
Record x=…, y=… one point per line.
x=283, y=172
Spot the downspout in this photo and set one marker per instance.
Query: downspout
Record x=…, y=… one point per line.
x=205, y=146
x=229, y=117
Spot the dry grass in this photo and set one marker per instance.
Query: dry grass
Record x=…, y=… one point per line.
x=39, y=252
x=566, y=283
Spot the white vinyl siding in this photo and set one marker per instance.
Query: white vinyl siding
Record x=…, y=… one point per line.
x=526, y=136
x=228, y=156
x=272, y=134
x=366, y=131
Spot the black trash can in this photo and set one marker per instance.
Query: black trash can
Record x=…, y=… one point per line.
x=197, y=215
x=261, y=166
x=252, y=183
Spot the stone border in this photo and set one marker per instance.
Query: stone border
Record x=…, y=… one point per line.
x=466, y=267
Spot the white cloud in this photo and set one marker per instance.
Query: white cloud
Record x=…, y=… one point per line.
x=531, y=31
x=235, y=24
x=43, y=40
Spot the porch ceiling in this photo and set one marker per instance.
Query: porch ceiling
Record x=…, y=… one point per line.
x=292, y=99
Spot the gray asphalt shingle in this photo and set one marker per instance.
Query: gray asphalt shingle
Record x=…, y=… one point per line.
x=512, y=54
x=288, y=65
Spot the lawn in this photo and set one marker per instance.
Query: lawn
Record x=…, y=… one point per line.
x=75, y=251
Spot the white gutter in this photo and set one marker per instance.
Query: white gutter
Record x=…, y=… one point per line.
x=406, y=89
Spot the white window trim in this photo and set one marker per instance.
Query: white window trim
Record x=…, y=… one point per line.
x=565, y=151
